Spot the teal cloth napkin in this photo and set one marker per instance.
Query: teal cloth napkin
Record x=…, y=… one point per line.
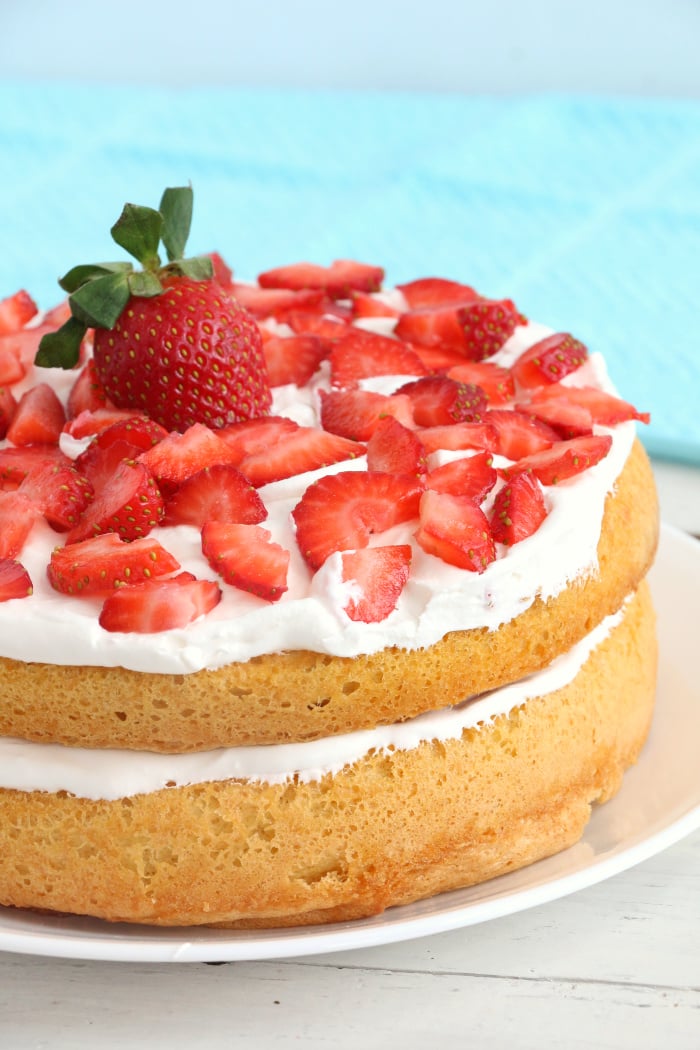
x=585, y=210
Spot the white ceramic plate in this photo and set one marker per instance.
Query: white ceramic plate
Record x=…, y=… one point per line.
x=659, y=804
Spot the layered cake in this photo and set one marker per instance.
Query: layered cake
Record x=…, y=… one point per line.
x=316, y=597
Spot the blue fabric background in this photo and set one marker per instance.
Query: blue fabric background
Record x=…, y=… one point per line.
x=585, y=210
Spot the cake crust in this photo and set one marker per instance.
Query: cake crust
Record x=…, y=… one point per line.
x=296, y=696
x=391, y=828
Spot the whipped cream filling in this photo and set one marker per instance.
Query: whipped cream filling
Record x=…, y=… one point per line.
x=114, y=774
x=438, y=598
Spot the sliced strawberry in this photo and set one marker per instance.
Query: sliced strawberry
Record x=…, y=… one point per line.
x=496, y=382
x=159, y=605
x=338, y=280
x=549, y=360
x=17, y=463
x=293, y=359
x=179, y=456
x=605, y=409
x=305, y=449
x=394, y=449
x=437, y=358
x=569, y=420
x=487, y=324
x=439, y=401
x=131, y=505
x=459, y=436
x=433, y=327
x=16, y=311
x=17, y=516
x=360, y=355
x=364, y=304
x=341, y=511
x=8, y=407
x=87, y=393
x=39, y=418
x=222, y=272
x=275, y=302
x=326, y=326
x=88, y=423
x=217, y=493
x=125, y=439
x=11, y=368
x=380, y=575
x=472, y=476
x=15, y=581
x=59, y=491
x=564, y=459
x=256, y=435
x=518, y=510
x=102, y=564
x=246, y=557
x=354, y=414
x=519, y=434
x=25, y=343
x=456, y=530
x=435, y=291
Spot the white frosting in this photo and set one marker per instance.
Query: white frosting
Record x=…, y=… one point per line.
x=113, y=774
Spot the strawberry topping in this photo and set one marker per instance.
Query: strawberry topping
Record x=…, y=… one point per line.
x=379, y=575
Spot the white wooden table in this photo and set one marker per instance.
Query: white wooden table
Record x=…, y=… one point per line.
x=612, y=967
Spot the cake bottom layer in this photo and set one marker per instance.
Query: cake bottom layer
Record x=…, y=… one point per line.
x=388, y=829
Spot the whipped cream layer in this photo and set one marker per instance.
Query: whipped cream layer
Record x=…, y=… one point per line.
x=114, y=774
x=438, y=598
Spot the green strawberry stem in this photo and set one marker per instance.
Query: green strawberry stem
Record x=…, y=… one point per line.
x=99, y=292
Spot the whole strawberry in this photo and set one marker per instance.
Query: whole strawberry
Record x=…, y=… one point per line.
x=169, y=340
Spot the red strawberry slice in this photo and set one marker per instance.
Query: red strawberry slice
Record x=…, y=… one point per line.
x=433, y=327
x=11, y=368
x=338, y=280
x=300, y=451
x=365, y=304
x=569, y=420
x=102, y=564
x=87, y=393
x=439, y=401
x=380, y=575
x=59, y=491
x=394, y=449
x=437, y=358
x=90, y=422
x=25, y=343
x=360, y=355
x=126, y=439
x=328, y=327
x=16, y=311
x=256, y=435
x=159, y=605
x=275, y=302
x=179, y=456
x=487, y=325
x=8, y=407
x=341, y=511
x=519, y=434
x=549, y=360
x=39, y=418
x=15, y=581
x=354, y=414
x=459, y=436
x=17, y=463
x=564, y=459
x=518, y=510
x=496, y=382
x=217, y=493
x=456, y=530
x=605, y=409
x=293, y=359
x=246, y=557
x=17, y=516
x=130, y=504
x=472, y=476
x=435, y=291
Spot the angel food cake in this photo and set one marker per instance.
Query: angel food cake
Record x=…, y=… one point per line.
x=313, y=592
